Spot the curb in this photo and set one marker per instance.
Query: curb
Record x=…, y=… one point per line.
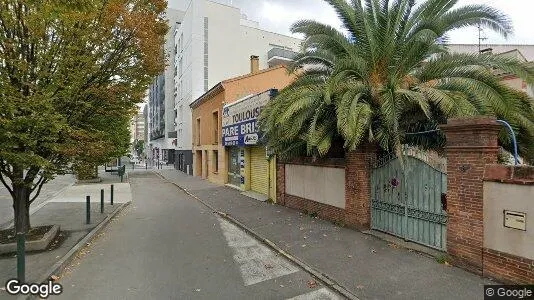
x=59, y=266
x=323, y=277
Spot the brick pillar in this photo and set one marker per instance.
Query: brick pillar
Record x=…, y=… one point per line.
x=471, y=144
x=358, y=187
x=280, y=183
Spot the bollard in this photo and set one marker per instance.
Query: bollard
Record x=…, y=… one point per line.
x=102, y=201
x=112, y=194
x=88, y=209
x=21, y=256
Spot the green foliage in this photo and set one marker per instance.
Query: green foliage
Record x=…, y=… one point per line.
x=386, y=75
x=71, y=74
x=139, y=146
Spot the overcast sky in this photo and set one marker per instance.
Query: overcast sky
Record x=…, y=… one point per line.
x=278, y=15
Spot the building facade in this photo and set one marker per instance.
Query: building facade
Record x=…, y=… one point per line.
x=523, y=53
x=161, y=132
x=225, y=159
x=213, y=43
x=138, y=127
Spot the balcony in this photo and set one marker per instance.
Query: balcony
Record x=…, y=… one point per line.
x=277, y=56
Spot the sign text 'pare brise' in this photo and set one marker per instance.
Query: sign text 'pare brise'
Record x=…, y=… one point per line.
x=239, y=120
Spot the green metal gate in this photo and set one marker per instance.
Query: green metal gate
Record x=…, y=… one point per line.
x=409, y=200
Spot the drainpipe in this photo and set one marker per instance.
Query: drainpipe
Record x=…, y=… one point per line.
x=512, y=134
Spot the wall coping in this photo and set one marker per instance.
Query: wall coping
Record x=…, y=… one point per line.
x=522, y=175
x=318, y=162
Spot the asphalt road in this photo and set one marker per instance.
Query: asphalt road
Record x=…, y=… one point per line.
x=167, y=245
x=48, y=191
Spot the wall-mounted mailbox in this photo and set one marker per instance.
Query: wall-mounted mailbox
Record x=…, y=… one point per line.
x=515, y=220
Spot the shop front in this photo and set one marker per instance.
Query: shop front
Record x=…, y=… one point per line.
x=249, y=167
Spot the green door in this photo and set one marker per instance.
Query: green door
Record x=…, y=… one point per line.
x=408, y=200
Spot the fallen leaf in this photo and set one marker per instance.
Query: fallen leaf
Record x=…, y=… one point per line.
x=349, y=256
x=393, y=246
x=324, y=235
x=54, y=277
x=2, y=288
x=305, y=237
x=303, y=245
x=312, y=283
x=373, y=251
x=197, y=290
x=281, y=285
x=268, y=266
x=360, y=287
x=447, y=264
x=301, y=228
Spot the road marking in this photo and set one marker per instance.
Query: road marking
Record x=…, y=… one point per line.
x=257, y=263
x=320, y=294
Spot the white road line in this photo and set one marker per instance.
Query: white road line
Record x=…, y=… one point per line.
x=257, y=263
x=320, y=294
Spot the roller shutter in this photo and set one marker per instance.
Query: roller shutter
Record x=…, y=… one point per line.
x=259, y=170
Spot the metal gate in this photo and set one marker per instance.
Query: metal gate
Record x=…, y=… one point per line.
x=409, y=200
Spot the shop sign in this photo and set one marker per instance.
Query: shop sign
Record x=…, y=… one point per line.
x=239, y=121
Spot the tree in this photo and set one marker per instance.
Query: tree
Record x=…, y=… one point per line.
x=139, y=146
x=387, y=74
x=71, y=73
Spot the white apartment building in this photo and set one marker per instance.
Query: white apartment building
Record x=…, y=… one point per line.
x=161, y=133
x=214, y=42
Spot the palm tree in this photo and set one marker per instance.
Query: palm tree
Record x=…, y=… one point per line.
x=387, y=74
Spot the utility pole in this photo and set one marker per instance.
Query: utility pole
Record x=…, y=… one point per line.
x=480, y=37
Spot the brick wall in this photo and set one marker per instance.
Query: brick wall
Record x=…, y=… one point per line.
x=323, y=211
x=280, y=183
x=471, y=144
x=508, y=268
x=357, y=212
x=358, y=187
x=513, y=182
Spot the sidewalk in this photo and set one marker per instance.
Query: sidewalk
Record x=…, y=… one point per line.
x=66, y=209
x=369, y=267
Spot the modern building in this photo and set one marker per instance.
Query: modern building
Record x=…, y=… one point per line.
x=145, y=131
x=523, y=53
x=526, y=50
x=138, y=127
x=161, y=132
x=214, y=42
x=226, y=148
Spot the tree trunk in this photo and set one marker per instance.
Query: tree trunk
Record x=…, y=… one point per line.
x=21, y=206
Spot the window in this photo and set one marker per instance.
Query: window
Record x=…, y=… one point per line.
x=215, y=124
x=181, y=42
x=215, y=166
x=180, y=69
x=180, y=114
x=198, y=131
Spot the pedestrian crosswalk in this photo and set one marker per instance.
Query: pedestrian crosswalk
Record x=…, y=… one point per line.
x=320, y=294
x=258, y=263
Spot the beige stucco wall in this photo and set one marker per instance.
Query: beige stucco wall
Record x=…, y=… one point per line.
x=499, y=197
x=320, y=184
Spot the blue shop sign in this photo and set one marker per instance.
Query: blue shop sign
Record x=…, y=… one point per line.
x=239, y=120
